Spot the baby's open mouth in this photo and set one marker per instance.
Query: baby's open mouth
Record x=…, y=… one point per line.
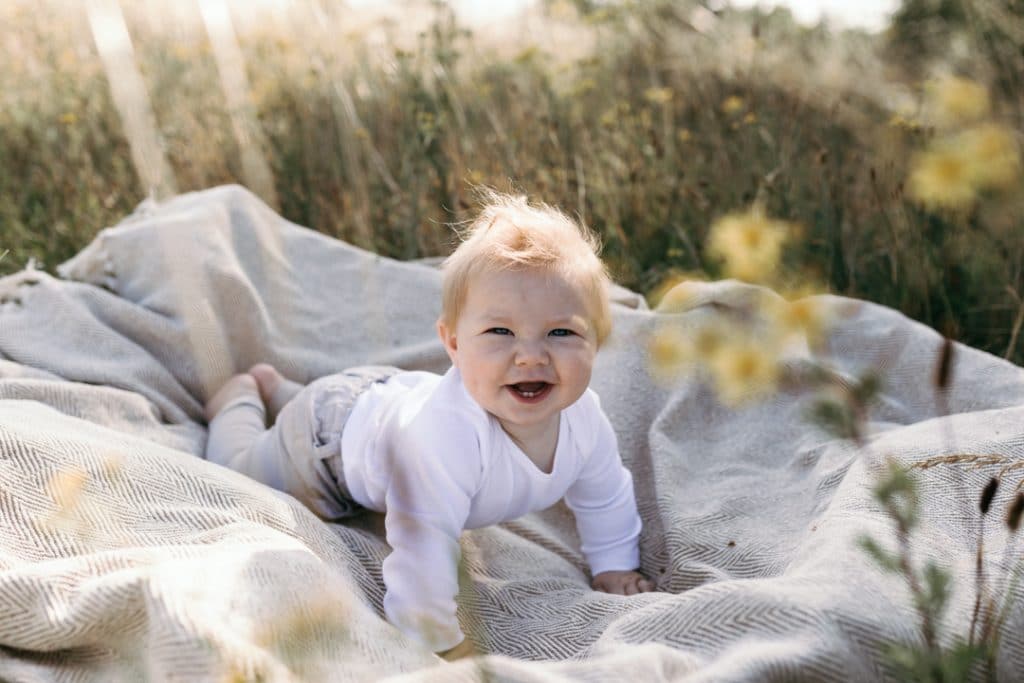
x=529, y=390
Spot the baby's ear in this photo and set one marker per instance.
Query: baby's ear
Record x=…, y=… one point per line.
x=447, y=336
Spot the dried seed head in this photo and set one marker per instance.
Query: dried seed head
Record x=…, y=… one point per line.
x=943, y=369
x=988, y=494
x=1013, y=516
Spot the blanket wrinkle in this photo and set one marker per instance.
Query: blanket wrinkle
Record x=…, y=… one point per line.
x=124, y=556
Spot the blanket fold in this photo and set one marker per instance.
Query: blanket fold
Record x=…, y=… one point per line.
x=125, y=556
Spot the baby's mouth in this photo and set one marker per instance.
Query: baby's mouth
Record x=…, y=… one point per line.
x=529, y=391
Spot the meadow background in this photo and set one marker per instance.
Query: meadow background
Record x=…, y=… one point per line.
x=650, y=119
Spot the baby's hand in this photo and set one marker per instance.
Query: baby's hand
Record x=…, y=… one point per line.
x=622, y=583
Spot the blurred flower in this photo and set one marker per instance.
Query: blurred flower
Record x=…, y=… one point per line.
x=684, y=135
x=958, y=100
x=675, y=295
x=801, y=315
x=991, y=155
x=732, y=104
x=69, y=118
x=745, y=370
x=942, y=178
x=749, y=244
x=669, y=353
x=750, y=118
x=658, y=95
x=65, y=487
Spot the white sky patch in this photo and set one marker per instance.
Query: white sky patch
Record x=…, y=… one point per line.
x=868, y=14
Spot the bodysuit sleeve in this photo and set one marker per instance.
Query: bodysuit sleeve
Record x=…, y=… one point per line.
x=434, y=475
x=603, y=501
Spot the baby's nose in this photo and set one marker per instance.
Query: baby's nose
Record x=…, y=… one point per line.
x=531, y=353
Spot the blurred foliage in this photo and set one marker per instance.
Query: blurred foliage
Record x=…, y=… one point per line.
x=651, y=119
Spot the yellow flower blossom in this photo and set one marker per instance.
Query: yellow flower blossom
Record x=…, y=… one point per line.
x=745, y=370
x=732, y=104
x=684, y=135
x=69, y=118
x=658, y=95
x=749, y=244
x=942, y=178
x=958, y=100
x=992, y=156
x=669, y=353
x=675, y=295
x=66, y=486
x=750, y=118
x=801, y=315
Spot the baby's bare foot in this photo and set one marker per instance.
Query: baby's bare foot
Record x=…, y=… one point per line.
x=275, y=389
x=239, y=385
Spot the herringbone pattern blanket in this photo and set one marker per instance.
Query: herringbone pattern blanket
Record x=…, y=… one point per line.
x=125, y=556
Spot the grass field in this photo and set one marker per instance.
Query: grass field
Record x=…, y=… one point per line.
x=650, y=120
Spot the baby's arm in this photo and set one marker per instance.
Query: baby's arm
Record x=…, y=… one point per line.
x=431, y=484
x=607, y=519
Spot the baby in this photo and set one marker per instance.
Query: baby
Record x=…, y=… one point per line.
x=511, y=428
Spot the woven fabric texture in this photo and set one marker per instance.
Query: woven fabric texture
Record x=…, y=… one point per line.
x=125, y=556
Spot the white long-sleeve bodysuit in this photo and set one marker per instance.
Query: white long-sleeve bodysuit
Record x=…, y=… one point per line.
x=421, y=450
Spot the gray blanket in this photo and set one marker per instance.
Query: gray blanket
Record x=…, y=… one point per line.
x=125, y=556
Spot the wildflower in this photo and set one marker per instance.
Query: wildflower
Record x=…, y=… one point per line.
x=991, y=155
x=658, y=95
x=684, y=135
x=674, y=295
x=805, y=316
x=66, y=486
x=750, y=118
x=732, y=104
x=744, y=370
x=669, y=352
x=749, y=244
x=942, y=178
x=69, y=118
x=958, y=100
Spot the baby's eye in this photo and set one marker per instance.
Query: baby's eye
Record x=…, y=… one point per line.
x=499, y=330
x=561, y=332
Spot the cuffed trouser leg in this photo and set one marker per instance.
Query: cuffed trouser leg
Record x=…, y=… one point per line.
x=239, y=439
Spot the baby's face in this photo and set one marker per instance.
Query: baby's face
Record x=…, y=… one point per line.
x=525, y=345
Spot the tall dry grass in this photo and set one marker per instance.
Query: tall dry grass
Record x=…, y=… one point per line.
x=650, y=119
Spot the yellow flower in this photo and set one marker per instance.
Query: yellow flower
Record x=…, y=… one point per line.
x=749, y=244
x=69, y=118
x=750, y=118
x=958, y=100
x=684, y=135
x=669, y=353
x=658, y=95
x=801, y=315
x=732, y=104
x=66, y=486
x=745, y=370
x=992, y=157
x=942, y=178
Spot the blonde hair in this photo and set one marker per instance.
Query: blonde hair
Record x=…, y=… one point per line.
x=512, y=234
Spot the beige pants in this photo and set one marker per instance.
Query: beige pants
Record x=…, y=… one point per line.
x=301, y=453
